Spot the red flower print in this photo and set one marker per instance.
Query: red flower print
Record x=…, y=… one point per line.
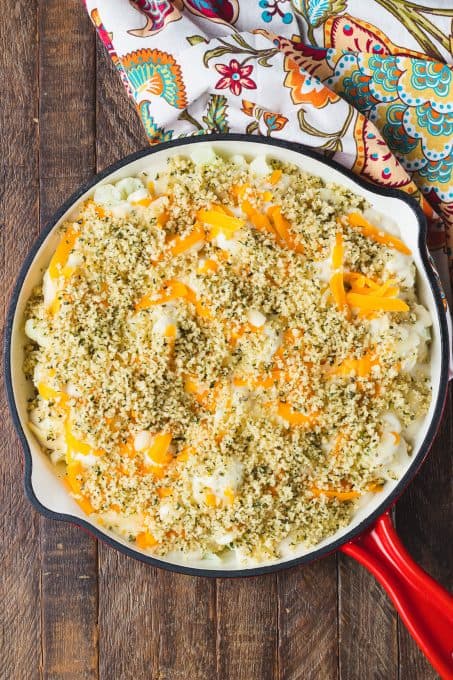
x=235, y=76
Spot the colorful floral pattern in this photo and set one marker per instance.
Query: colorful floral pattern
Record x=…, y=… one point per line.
x=438, y=171
x=355, y=35
x=158, y=15
x=273, y=122
x=303, y=77
x=107, y=40
x=306, y=88
x=356, y=89
x=416, y=122
x=382, y=108
x=235, y=76
x=216, y=118
x=431, y=74
x=156, y=73
x=155, y=133
x=436, y=123
x=393, y=130
x=375, y=161
x=272, y=9
x=219, y=11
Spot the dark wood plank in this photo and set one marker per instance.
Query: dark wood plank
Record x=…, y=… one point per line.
x=308, y=621
x=20, y=649
x=185, y=627
x=423, y=519
x=128, y=597
x=119, y=130
x=247, y=620
x=69, y=603
x=67, y=100
x=67, y=158
x=168, y=620
x=368, y=639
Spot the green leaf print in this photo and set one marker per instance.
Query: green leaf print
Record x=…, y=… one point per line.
x=196, y=39
x=216, y=114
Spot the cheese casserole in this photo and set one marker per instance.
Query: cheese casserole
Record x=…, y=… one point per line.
x=227, y=356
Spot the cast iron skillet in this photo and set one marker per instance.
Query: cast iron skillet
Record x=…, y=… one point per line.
x=424, y=606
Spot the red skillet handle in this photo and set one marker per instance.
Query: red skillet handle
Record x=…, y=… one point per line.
x=424, y=606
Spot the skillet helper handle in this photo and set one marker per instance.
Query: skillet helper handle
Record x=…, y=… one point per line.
x=424, y=606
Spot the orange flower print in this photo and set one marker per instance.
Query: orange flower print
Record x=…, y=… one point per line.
x=152, y=72
x=305, y=87
x=273, y=122
x=235, y=76
x=248, y=107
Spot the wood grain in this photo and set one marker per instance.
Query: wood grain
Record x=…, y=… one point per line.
x=308, y=627
x=69, y=603
x=66, y=102
x=368, y=640
x=127, y=601
x=423, y=520
x=185, y=627
x=20, y=646
x=67, y=158
x=247, y=628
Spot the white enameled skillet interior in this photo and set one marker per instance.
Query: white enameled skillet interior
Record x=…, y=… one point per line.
x=49, y=493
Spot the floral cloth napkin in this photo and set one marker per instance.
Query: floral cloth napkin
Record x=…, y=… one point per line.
x=369, y=83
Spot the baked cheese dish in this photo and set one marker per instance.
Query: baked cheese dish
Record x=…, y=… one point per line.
x=228, y=356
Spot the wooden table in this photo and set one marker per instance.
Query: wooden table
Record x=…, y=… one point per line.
x=73, y=608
